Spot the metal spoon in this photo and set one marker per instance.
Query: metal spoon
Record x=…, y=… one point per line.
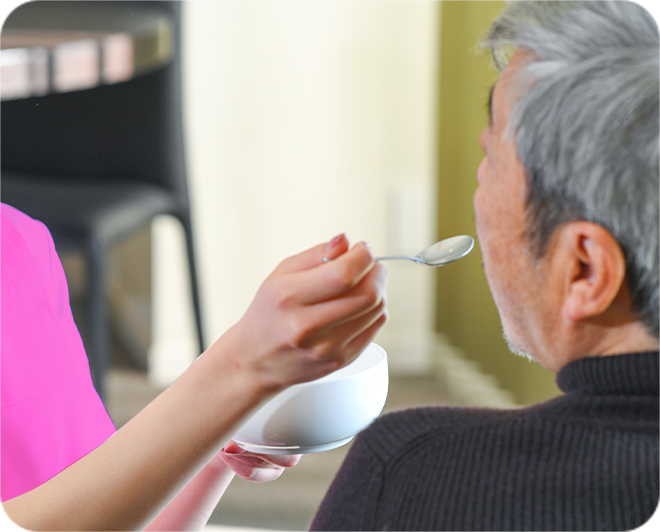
x=440, y=253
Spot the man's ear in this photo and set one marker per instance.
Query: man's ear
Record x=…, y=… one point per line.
x=596, y=271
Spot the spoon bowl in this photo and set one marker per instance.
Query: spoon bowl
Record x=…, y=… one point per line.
x=440, y=253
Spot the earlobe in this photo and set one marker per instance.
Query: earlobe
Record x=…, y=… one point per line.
x=597, y=271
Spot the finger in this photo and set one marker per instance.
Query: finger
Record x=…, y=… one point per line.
x=355, y=344
x=314, y=256
x=359, y=343
x=252, y=460
x=266, y=461
x=254, y=467
x=334, y=278
x=284, y=461
x=255, y=473
x=339, y=337
x=244, y=463
x=261, y=476
x=260, y=460
x=360, y=300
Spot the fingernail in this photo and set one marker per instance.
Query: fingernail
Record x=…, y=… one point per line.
x=334, y=242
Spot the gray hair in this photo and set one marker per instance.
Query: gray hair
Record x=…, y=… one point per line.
x=585, y=118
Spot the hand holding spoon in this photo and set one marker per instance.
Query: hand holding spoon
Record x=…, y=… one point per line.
x=440, y=253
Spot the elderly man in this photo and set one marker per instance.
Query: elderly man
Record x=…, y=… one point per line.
x=567, y=219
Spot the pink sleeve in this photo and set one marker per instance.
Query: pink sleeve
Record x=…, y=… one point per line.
x=51, y=413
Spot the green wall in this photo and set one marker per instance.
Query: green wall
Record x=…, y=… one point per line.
x=465, y=309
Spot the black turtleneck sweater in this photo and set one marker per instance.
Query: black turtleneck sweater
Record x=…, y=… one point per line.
x=586, y=460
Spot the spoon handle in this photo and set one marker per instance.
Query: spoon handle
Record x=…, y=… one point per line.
x=400, y=257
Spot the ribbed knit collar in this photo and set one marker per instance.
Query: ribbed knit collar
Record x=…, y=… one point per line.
x=634, y=373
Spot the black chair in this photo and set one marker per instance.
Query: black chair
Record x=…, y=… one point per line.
x=98, y=165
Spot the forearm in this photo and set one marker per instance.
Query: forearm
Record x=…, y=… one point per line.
x=308, y=319
x=131, y=478
x=192, y=508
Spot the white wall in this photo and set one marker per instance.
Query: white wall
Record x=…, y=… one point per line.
x=304, y=120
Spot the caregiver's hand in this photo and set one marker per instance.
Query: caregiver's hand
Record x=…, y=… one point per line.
x=257, y=468
x=310, y=317
x=165, y=468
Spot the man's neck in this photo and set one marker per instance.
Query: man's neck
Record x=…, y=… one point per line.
x=597, y=341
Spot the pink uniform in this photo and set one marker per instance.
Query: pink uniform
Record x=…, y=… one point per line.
x=51, y=413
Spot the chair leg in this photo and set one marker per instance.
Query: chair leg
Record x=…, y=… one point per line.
x=194, y=281
x=98, y=347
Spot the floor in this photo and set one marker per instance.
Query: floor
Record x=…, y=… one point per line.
x=290, y=502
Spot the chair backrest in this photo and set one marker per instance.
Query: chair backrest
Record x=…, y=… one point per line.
x=131, y=130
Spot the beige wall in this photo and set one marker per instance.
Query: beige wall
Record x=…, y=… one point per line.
x=305, y=120
x=465, y=310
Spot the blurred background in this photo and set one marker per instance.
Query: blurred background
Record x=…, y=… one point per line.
x=302, y=120
x=307, y=119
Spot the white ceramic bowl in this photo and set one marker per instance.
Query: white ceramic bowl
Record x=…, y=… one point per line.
x=323, y=414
